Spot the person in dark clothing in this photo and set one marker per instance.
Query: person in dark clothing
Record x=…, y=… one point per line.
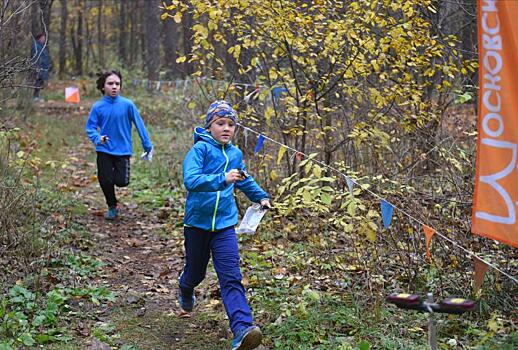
x=109, y=128
x=42, y=64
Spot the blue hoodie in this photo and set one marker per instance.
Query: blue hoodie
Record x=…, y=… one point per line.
x=210, y=200
x=113, y=117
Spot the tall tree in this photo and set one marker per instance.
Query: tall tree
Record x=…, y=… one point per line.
x=123, y=32
x=100, y=34
x=77, y=38
x=15, y=26
x=152, y=61
x=62, y=37
x=134, y=33
x=187, y=22
x=88, y=35
x=40, y=12
x=171, y=36
x=142, y=34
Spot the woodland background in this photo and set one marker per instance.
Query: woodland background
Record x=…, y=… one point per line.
x=383, y=91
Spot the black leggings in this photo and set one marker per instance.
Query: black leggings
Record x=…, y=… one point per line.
x=112, y=171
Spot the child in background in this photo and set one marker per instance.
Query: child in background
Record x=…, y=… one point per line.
x=212, y=168
x=109, y=128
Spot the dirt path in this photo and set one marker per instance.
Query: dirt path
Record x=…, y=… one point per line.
x=143, y=257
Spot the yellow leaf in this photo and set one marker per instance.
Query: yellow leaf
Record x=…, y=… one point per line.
x=181, y=59
x=273, y=175
x=273, y=74
x=177, y=17
x=191, y=105
x=306, y=196
x=268, y=114
x=282, y=150
x=317, y=170
x=370, y=234
x=308, y=167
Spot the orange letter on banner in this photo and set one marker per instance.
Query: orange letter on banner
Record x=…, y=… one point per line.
x=496, y=181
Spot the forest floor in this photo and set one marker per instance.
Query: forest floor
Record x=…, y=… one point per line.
x=142, y=258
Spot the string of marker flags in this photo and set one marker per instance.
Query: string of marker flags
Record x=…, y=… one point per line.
x=72, y=92
x=387, y=208
x=158, y=84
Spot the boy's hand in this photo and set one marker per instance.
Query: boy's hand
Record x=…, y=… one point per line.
x=104, y=138
x=147, y=156
x=265, y=203
x=233, y=176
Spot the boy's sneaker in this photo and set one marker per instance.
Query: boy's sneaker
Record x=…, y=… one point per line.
x=186, y=305
x=247, y=339
x=112, y=214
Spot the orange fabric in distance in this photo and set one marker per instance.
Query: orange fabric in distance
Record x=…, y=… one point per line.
x=72, y=94
x=496, y=182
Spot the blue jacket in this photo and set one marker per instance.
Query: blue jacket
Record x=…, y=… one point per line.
x=40, y=55
x=210, y=200
x=113, y=117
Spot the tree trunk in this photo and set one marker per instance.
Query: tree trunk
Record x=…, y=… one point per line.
x=152, y=61
x=100, y=35
x=77, y=39
x=187, y=41
x=134, y=34
x=46, y=6
x=171, y=38
x=62, y=38
x=142, y=35
x=89, y=51
x=123, y=33
x=40, y=14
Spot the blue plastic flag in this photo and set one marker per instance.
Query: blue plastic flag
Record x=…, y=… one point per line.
x=386, y=213
x=278, y=91
x=259, y=145
x=349, y=185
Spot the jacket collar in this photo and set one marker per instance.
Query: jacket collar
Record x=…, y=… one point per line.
x=110, y=99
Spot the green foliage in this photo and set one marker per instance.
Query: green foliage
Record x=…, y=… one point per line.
x=26, y=223
x=77, y=264
x=28, y=320
x=52, y=279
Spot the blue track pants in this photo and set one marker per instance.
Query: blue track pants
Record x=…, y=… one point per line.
x=222, y=244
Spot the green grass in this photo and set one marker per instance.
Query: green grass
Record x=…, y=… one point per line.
x=157, y=330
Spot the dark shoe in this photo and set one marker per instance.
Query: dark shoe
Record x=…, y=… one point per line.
x=247, y=339
x=112, y=214
x=186, y=305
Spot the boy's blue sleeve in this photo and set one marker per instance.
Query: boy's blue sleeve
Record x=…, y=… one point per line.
x=250, y=188
x=92, y=124
x=193, y=177
x=141, y=129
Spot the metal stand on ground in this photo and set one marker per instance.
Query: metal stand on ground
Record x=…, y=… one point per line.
x=415, y=302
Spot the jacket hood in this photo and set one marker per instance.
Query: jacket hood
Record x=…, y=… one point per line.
x=201, y=134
